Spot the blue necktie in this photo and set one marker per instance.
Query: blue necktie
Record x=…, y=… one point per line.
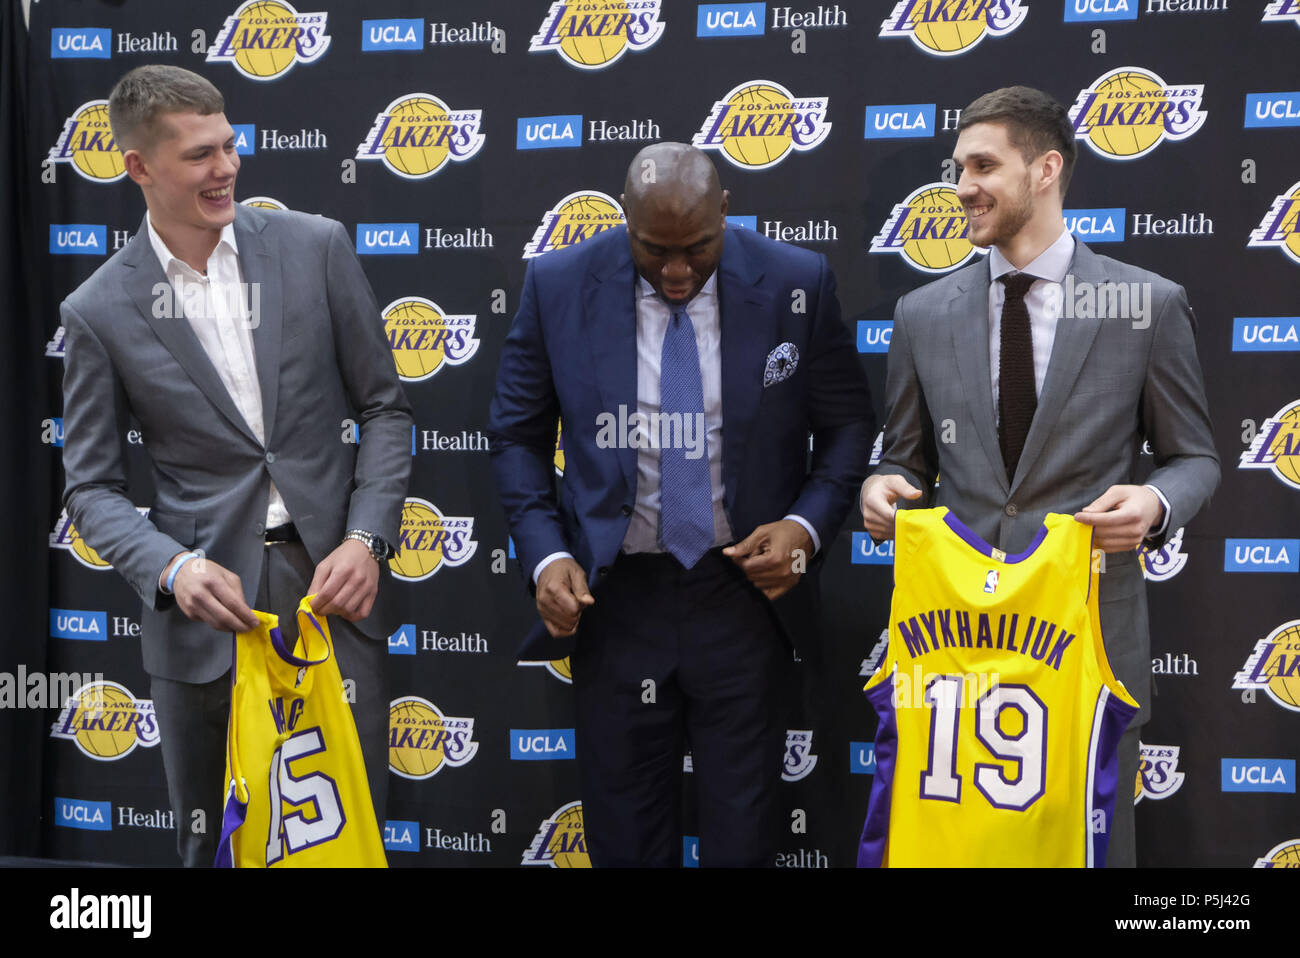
x=685, y=492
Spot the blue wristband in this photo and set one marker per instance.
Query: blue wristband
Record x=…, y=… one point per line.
x=171, y=578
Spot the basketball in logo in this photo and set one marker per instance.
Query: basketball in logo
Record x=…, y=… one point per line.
x=421, y=740
x=87, y=143
x=424, y=338
x=1281, y=225
x=578, y=216
x=263, y=39
x=418, y=134
x=1274, y=666
x=264, y=203
x=758, y=123
x=929, y=230
x=106, y=721
x=1129, y=111
x=1276, y=446
x=593, y=34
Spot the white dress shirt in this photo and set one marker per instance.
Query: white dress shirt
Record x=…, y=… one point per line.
x=217, y=308
x=1043, y=302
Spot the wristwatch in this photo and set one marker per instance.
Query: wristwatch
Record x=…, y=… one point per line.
x=379, y=548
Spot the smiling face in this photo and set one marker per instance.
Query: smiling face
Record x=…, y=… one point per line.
x=676, y=249
x=996, y=186
x=188, y=178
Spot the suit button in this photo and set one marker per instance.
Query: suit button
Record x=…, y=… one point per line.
x=603, y=571
x=270, y=457
x=1011, y=510
x=261, y=528
x=626, y=510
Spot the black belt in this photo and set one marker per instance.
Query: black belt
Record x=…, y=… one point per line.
x=285, y=533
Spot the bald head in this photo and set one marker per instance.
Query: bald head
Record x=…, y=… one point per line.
x=676, y=214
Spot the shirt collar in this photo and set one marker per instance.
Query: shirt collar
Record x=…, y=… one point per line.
x=1051, y=264
x=165, y=255
x=710, y=289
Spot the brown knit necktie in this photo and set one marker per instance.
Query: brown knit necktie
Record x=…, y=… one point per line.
x=1017, y=397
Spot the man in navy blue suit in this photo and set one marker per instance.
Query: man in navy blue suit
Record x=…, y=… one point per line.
x=688, y=366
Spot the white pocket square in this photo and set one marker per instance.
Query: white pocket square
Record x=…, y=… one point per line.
x=781, y=364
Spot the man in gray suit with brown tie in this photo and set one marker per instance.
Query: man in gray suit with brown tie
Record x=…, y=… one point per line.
x=246, y=343
x=1025, y=405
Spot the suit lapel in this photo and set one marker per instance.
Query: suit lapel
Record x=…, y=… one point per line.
x=1070, y=346
x=749, y=331
x=144, y=274
x=264, y=298
x=969, y=322
x=609, y=320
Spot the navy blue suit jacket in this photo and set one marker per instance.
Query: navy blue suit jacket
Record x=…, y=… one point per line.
x=571, y=354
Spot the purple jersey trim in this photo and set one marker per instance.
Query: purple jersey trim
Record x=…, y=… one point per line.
x=284, y=652
x=979, y=545
x=231, y=819
x=875, y=830
x=1105, y=771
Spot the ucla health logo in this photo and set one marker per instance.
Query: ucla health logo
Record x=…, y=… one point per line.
x=422, y=741
x=263, y=39
x=1097, y=225
x=866, y=552
x=1130, y=111
x=759, y=123
x=1276, y=446
x=428, y=540
x=79, y=624
x=77, y=813
x=424, y=338
x=730, y=19
x=946, y=28
x=1257, y=775
x=392, y=35
x=1272, y=109
x=1087, y=11
x=1158, y=776
x=388, y=239
x=1261, y=555
x=577, y=217
x=78, y=239
x=401, y=836
x=548, y=132
x=264, y=203
x=1278, y=11
x=1274, y=666
x=1165, y=562
x=874, y=335
x=1281, y=225
x=418, y=134
x=592, y=34
x=86, y=43
x=87, y=143
x=799, y=757
x=106, y=721
x=899, y=121
x=929, y=230
x=560, y=841
x=541, y=744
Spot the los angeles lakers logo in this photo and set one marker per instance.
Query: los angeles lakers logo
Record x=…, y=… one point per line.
x=577, y=217
x=1276, y=446
x=560, y=841
x=106, y=721
x=759, y=123
x=1285, y=855
x=421, y=740
x=1158, y=776
x=1282, y=10
x=65, y=536
x=424, y=339
x=592, y=34
x=87, y=143
x=1274, y=666
x=929, y=230
x=945, y=28
x=1129, y=111
x=418, y=134
x=428, y=540
x=263, y=39
x=1280, y=226
x=557, y=667
x=264, y=203
x=1165, y=562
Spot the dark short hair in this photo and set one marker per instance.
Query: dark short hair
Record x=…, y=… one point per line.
x=145, y=94
x=1035, y=123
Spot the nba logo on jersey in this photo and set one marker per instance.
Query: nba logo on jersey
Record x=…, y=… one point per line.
x=1004, y=751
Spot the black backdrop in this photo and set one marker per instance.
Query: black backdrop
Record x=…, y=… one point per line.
x=1218, y=784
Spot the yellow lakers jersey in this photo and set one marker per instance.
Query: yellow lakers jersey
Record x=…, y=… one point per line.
x=999, y=714
x=297, y=793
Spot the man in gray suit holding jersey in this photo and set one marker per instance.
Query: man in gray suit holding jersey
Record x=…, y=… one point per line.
x=246, y=343
x=1025, y=404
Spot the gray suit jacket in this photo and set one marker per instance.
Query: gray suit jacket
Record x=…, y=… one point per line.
x=322, y=358
x=1109, y=386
